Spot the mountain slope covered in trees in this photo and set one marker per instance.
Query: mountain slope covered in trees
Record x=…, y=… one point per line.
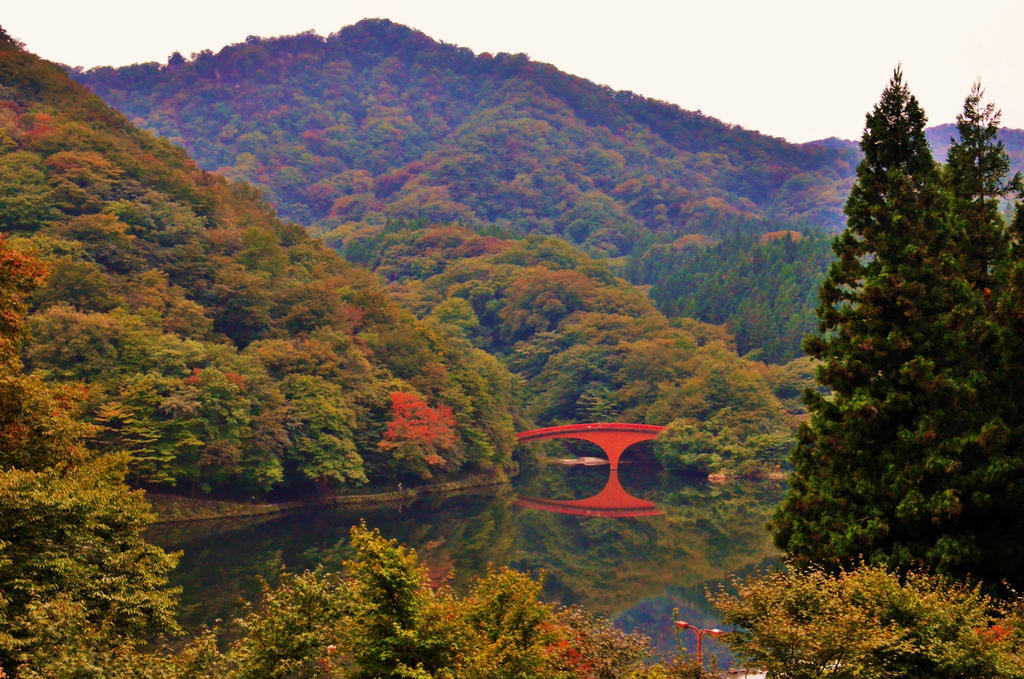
x=223, y=348
x=229, y=351
x=590, y=346
x=764, y=290
x=214, y=346
x=379, y=121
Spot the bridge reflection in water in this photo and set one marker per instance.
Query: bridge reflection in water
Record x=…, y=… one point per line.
x=613, y=438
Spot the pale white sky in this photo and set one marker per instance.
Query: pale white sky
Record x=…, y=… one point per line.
x=799, y=69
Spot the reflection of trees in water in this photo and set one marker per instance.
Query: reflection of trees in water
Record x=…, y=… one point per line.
x=609, y=565
x=223, y=561
x=654, y=615
x=730, y=519
x=706, y=532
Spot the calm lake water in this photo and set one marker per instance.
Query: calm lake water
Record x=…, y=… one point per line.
x=633, y=570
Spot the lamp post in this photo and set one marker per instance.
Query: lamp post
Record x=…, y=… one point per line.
x=700, y=632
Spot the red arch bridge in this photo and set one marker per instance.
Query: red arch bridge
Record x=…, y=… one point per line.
x=613, y=438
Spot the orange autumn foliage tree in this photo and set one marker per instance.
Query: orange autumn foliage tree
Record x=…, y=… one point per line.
x=417, y=432
x=19, y=275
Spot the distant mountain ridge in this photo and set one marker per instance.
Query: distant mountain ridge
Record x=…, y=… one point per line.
x=940, y=138
x=379, y=121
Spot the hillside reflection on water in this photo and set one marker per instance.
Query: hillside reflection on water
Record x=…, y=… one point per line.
x=635, y=570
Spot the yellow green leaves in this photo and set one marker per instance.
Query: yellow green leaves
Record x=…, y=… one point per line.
x=868, y=622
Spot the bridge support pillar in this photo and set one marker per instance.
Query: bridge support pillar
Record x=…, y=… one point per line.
x=612, y=437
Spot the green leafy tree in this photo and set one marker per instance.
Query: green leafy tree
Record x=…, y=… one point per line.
x=25, y=198
x=289, y=631
x=515, y=631
x=71, y=548
x=399, y=628
x=323, y=449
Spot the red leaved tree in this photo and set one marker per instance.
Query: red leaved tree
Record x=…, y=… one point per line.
x=418, y=433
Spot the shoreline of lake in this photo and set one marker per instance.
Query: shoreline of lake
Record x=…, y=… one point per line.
x=170, y=508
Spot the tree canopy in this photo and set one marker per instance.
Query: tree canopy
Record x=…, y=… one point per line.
x=379, y=121
x=70, y=529
x=589, y=345
x=224, y=349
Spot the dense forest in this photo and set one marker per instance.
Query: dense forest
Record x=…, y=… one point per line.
x=379, y=121
x=221, y=347
x=160, y=324
x=230, y=352
x=763, y=290
x=588, y=345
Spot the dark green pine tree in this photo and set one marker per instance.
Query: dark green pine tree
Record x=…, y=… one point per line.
x=977, y=174
x=869, y=480
x=988, y=475
x=1010, y=312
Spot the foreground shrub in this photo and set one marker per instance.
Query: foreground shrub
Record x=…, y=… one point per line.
x=870, y=622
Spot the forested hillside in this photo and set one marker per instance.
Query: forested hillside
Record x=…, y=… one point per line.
x=175, y=327
x=222, y=348
x=764, y=290
x=228, y=351
x=589, y=346
x=379, y=121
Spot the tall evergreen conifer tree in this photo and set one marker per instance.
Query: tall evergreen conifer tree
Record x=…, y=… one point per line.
x=869, y=480
x=977, y=429
x=977, y=174
x=911, y=457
